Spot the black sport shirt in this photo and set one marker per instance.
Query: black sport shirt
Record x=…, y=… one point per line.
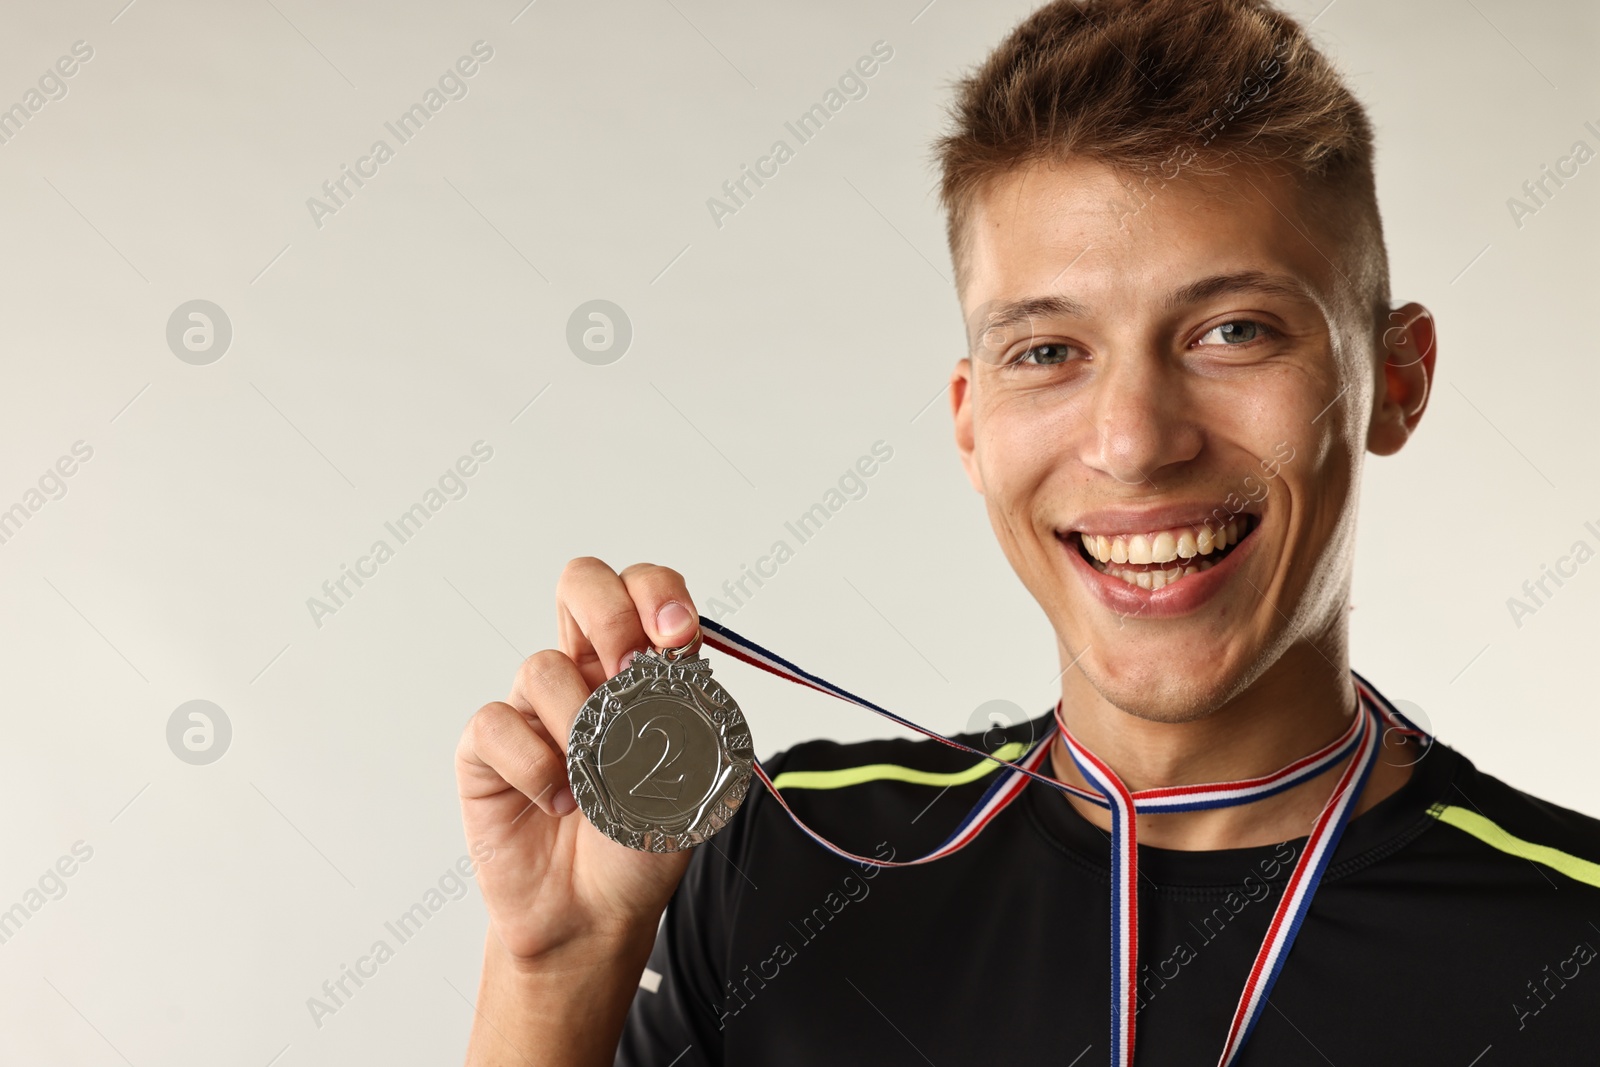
x=1457, y=924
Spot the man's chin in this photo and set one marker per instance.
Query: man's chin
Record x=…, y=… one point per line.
x=1165, y=684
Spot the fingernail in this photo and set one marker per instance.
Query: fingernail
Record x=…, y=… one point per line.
x=627, y=658
x=673, y=618
x=563, y=802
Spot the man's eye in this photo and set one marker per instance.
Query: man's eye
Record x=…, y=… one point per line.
x=1237, y=332
x=1046, y=355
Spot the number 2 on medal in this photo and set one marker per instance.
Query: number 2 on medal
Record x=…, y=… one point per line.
x=649, y=787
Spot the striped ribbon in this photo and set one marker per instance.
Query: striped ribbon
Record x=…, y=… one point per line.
x=1364, y=738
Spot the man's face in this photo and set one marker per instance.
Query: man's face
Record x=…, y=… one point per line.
x=1166, y=407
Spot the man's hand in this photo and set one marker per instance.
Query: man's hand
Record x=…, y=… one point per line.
x=572, y=913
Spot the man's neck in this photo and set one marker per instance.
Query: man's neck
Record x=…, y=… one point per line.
x=1303, y=702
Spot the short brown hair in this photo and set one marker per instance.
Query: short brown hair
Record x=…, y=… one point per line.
x=1170, y=85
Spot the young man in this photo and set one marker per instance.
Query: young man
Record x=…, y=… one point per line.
x=1182, y=344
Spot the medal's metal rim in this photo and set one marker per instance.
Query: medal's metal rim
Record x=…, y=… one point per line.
x=735, y=750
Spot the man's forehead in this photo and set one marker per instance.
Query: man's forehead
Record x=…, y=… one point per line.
x=1084, y=231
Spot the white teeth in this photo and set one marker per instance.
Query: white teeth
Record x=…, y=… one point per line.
x=1153, y=578
x=1168, y=576
x=1163, y=546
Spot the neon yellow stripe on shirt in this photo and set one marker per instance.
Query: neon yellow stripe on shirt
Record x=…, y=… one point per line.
x=1490, y=833
x=875, y=772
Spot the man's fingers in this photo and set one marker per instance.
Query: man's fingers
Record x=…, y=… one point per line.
x=500, y=739
x=603, y=615
x=597, y=619
x=663, y=603
x=550, y=687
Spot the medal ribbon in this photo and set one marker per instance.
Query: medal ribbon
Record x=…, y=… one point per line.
x=1364, y=737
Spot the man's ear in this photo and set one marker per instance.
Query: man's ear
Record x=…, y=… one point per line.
x=961, y=410
x=1409, y=346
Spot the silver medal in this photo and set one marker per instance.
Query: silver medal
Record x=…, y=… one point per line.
x=659, y=757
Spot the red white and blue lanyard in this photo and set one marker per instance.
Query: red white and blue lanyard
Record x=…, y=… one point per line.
x=1364, y=738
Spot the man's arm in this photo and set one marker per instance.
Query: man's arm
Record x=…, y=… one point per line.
x=571, y=912
x=571, y=1008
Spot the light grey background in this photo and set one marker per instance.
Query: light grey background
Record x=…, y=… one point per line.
x=767, y=355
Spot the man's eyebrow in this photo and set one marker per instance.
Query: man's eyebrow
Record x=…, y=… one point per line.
x=1056, y=305
x=1017, y=312
x=1242, y=281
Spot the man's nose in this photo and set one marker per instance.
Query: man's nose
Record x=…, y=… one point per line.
x=1140, y=418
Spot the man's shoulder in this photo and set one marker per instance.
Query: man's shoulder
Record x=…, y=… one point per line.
x=1515, y=826
x=854, y=792
x=822, y=762
x=901, y=766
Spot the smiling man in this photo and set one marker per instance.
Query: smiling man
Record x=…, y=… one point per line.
x=1221, y=846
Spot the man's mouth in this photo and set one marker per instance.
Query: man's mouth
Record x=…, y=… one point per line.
x=1155, y=559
